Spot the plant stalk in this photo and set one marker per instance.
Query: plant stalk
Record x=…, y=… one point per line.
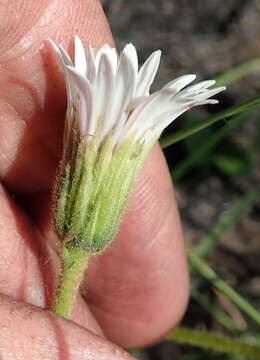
x=208, y=273
x=209, y=341
x=75, y=263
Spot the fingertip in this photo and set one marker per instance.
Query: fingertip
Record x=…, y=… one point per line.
x=138, y=289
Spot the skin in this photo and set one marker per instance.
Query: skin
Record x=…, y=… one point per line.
x=138, y=289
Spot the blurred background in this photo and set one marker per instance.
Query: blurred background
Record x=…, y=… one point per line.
x=216, y=171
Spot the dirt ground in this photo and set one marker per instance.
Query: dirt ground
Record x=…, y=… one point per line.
x=199, y=36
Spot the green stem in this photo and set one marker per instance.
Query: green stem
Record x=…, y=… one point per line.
x=214, y=342
x=208, y=273
x=216, y=312
x=207, y=146
x=75, y=262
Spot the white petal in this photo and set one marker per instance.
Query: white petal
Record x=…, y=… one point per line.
x=66, y=60
x=62, y=54
x=161, y=123
x=201, y=86
x=180, y=82
x=147, y=74
x=113, y=59
x=161, y=108
x=84, y=100
x=80, y=57
x=142, y=117
x=136, y=102
x=130, y=50
x=104, y=49
x=91, y=64
x=69, y=85
x=106, y=92
x=125, y=81
x=103, y=88
x=199, y=95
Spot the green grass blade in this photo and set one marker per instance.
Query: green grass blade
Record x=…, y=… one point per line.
x=205, y=147
x=226, y=221
x=209, y=274
x=182, y=134
x=218, y=343
x=238, y=72
x=221, y=316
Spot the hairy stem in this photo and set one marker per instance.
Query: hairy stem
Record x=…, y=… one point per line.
x=75, y=262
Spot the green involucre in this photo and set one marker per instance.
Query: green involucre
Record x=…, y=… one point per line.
x=92, y=191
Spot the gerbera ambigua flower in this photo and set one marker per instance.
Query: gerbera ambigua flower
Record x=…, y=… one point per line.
x=112, y=122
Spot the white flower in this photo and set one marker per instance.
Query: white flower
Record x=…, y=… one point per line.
x=108, y=94
x=112, y=122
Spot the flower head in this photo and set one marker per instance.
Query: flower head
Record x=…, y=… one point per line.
x=112, y=121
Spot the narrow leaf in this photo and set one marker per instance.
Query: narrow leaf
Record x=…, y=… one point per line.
x=234, y=110
x=205, y=147
x=214, y=342
x=238, y=72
